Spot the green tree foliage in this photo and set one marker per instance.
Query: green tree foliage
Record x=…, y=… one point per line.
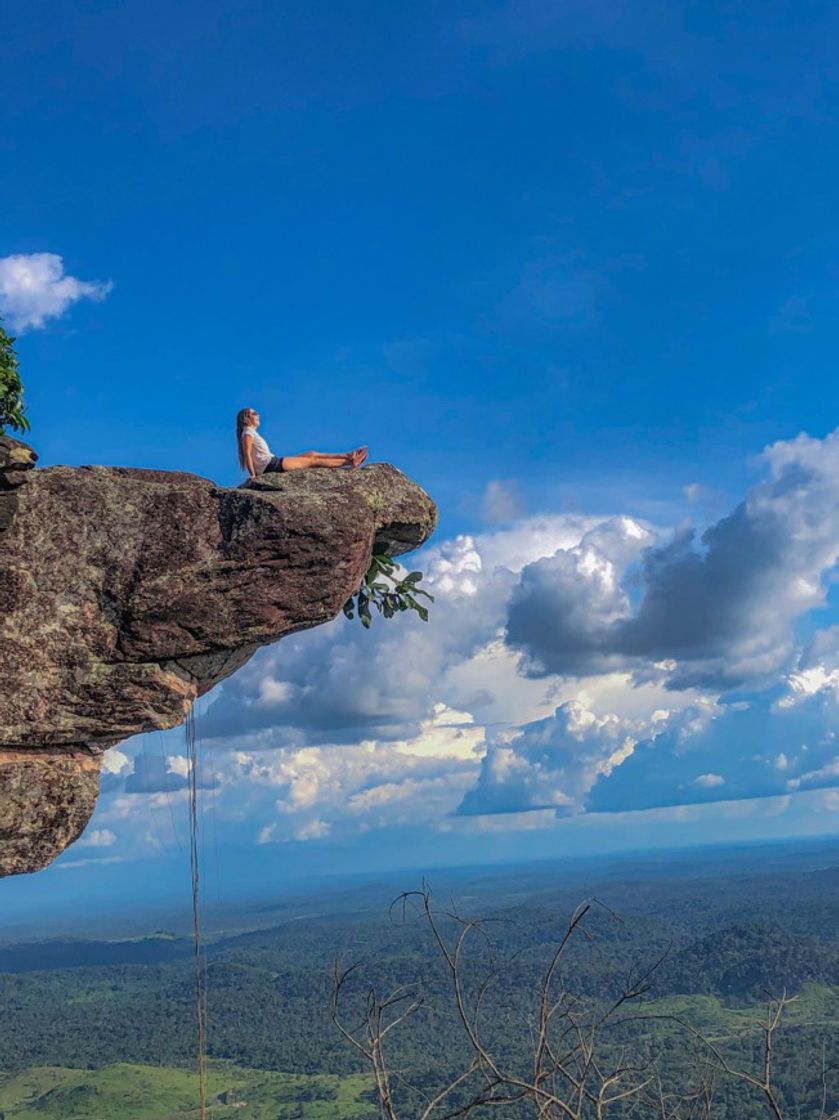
x=12, y=413
x=387, y=592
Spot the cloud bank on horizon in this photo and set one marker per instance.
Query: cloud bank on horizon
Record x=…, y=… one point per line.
x=34, y=287
x=572, y=665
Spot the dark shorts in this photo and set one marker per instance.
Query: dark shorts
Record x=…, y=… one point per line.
x=275, y=465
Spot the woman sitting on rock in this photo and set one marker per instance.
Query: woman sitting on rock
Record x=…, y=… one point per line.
x=255, y=455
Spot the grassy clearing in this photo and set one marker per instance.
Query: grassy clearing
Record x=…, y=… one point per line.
x=816, y=1004
x=136, y=1092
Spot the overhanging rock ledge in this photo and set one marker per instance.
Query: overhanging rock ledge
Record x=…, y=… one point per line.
x=125, y=594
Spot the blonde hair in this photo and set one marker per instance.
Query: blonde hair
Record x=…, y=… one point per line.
x=243, y=419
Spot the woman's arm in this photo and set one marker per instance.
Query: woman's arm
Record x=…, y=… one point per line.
x=247, y=442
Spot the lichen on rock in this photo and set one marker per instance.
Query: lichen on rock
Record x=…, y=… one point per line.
x=125, y=594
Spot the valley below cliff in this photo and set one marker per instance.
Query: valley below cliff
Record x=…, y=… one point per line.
x=103, y=1028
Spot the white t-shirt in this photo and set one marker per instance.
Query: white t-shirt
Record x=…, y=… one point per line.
x=261, y=452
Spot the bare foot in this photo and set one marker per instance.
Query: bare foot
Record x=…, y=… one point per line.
x=359, y=456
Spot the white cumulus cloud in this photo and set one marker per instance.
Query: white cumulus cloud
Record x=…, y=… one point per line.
x=34, y=288
x=717, y=612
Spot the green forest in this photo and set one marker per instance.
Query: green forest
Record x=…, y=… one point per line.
x=91, y=1030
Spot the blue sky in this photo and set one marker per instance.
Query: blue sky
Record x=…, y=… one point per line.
x=573, y=267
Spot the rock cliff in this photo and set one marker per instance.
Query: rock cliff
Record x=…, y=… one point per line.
x=125, y=594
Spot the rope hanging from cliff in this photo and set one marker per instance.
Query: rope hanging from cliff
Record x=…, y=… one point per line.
x=200, y=999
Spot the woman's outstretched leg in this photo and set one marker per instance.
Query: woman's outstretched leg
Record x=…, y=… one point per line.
x=351, y=458
x=324, y=459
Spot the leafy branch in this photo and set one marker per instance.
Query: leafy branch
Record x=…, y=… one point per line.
x=387, y=592
x=11, y=387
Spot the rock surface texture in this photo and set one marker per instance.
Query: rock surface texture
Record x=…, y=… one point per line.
x=125, y=594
